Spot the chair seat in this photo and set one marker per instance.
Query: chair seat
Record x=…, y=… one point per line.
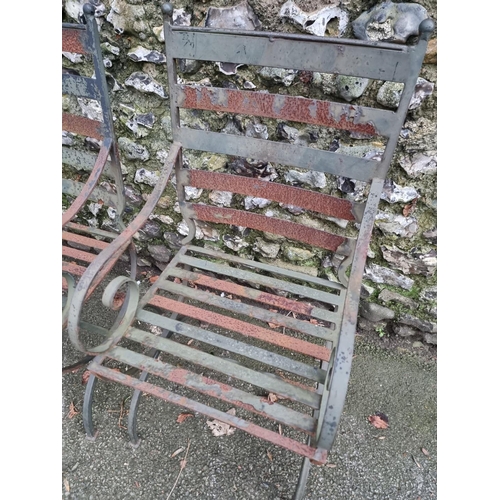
x=235, y=332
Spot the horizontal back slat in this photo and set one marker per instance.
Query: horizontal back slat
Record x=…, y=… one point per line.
x=73, y=188
x=74, y=39
x=82, y=126
x=278, y=152
x=285, y=228
x=82, y=160
x=289, y=195
x=359, y=119
x=80, y=86
x=281, y=51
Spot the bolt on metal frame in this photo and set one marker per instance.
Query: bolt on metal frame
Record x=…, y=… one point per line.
x=219, y=312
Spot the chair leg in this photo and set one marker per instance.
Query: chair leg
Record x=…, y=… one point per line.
x=132, y=414
x=87, y=408
x=300, y=489
x=136, y=397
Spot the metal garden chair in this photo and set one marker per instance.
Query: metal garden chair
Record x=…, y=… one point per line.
x=81, y=242
x=227, y=303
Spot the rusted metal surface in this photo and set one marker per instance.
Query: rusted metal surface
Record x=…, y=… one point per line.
x=84, y=240
x=227, y=367
x=250, y=310
x=74, y=39
x=298, y=307
x=74, y=253
x=282, y=107
x=286, y=228
x=82, y=126
x=319, y=456
x=230, y=344
x=310, y=200
x=243, y=327
x=216, y=389
x=336, y=288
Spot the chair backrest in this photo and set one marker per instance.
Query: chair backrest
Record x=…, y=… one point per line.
x=376, y=61
x=83, y=39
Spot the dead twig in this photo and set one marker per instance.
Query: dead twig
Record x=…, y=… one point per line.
x=183, y=465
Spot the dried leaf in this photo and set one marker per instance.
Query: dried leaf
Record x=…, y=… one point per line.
x=425, y=452
x=72, y=410
x=153, y=279
x=177, y=280
x=66, y=485
x=190, y=342
x=176, y=452
x=137, y=485
x=280, y=430
x=85, y=377
x=313, y=321
x=118, y=300
x=410, y=207
x=332, y=466
x=378, y=422
x=220, y=428
x=272, y=397
x=183, y=417
x=269, y=455
x=273, y=325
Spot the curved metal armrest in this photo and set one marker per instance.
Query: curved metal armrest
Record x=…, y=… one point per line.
x=102, y=264
x=91, y=183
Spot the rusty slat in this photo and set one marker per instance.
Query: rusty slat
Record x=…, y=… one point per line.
x=311, y=200
x=299, y=232
x=72, y=268
x=84, y=240
x=250, y=311
x=77, y=254
x=216, y=389
x=242, y=327
x=230, y=344
x=81, y=125
x=227, y=367
x=318, y=455
x=295, y=306
x=282, y=107
x=73, y=40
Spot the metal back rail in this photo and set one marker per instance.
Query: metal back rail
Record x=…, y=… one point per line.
x=273, y=342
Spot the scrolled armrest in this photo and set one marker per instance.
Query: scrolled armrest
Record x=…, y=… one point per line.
x=103, y=263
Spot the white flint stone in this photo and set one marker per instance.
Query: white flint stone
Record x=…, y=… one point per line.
x=143, y=176
x=254, y=202
x=315, y=22
x=73, y=57
x=90, y=108
x=145, y=83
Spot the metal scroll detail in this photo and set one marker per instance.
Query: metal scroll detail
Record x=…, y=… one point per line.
x=124, y=320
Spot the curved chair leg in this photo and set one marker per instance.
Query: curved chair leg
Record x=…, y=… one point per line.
x=87, y=408
x=136, y=397
x=302, y=483
x=132, y=414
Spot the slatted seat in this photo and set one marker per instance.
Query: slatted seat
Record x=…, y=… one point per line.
x=81, y=241
x=224, y=329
